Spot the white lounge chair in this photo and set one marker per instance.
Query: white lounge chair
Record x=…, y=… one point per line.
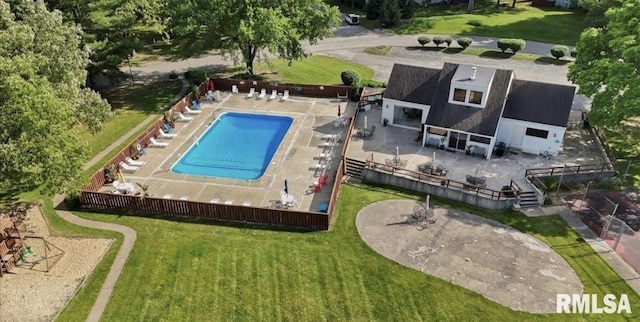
x=190, y=111
x=263, y=93
x=210, y=96
x=124, y=187
x=285, y=96
x=128, y=168
x=234, y=89
x=157, y=144
x=252, y=92
x=166, y=135
x=274, y=94
x=183, y=118
x=134, y=162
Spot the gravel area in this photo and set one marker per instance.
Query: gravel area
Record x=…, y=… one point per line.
x=39, y=288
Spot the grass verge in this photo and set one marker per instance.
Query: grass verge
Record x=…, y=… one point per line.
x=378, y=50
x=181, y=269
x=316, y=69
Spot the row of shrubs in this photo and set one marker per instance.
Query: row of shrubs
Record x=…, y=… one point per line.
x=463, y=42
x=504, y=44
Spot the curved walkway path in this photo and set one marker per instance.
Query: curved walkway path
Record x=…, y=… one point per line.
x=128, y=233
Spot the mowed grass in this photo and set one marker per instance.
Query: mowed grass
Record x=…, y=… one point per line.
x=316, y=69
x=131, y=104
x=195, y=271
x=556, y=26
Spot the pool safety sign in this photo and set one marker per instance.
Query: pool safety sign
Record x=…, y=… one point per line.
x=592, y=303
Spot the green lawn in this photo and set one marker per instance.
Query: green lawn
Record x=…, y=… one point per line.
x=131, y=105
x=316, y=69
x=186, y=270
x=551, y=25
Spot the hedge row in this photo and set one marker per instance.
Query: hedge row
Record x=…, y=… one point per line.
x=515, y=45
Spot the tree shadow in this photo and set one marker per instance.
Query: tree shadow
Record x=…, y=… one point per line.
x=496, y=54
x=445, y=50
x=551, y=61
x=561, y=28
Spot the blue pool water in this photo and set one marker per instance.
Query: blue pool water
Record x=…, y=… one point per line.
x=236, y=145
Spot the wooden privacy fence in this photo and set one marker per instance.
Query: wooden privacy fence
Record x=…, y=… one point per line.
x=294, y=89
x=91, y=198
x=488, y=193
x=228, y=213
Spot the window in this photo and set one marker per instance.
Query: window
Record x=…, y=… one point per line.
x=459, y=95
x=475, y=97
x=480, y=139
x=537, y=133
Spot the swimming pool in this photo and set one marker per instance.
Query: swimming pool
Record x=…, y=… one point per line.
x=236, y=145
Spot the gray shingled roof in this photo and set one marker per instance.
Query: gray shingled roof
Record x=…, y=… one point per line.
x=539, y=102
x=412, y=84
x=466, y=118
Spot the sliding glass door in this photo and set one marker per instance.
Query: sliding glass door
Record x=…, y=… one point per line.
x=457, y=140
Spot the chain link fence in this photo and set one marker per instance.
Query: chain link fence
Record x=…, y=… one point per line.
x=623, y=240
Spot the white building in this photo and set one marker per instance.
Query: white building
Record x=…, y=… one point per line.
x=472, y=109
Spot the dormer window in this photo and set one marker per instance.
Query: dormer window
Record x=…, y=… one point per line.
x=459, y=95
x=475, y=97
x=470, y=86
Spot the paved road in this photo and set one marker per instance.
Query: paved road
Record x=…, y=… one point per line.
x=349, y=40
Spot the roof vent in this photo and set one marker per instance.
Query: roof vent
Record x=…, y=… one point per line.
x=473, y=74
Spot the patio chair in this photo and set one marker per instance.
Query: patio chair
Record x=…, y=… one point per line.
x=373, y=130
x=252, y=92
x=190, y=111
x=263, y=93
x=166, y=135
x=183, y=118
x=195, y=105
x=134, y=162
x=274, y=94
x=124, y=187
x=287, y=200
x=234, y=89
x=320, y=182
x=157, y=144
x=166, y=128
x=285, y=96
x=128, y=168
x=210, y=96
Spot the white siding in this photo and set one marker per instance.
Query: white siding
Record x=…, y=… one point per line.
x=531, y=144
x=388, y=106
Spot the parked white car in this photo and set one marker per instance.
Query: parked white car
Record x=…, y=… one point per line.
x=352, y=19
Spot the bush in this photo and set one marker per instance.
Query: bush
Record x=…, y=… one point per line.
x=438, y=40
x=448, y=40
x=475, y=22
x=559, y=51
x=195, y=77
x=510, y=43
x=372, y=83
x=195, y=89
x=464, y=42
x=350, y=78
x=173, y=76
x=424, y=40
x=574, y=52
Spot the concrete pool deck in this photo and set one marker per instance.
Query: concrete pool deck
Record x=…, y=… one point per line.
x=293, y=161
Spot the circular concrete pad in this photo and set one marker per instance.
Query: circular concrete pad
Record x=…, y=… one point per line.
x=495, y=260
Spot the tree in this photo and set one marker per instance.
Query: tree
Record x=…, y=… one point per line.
x=407, y=7
x=108, y=30
x=607, y=66
x=244, y=29
x=43, y=102
x=390, y=13
x=595, y=10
